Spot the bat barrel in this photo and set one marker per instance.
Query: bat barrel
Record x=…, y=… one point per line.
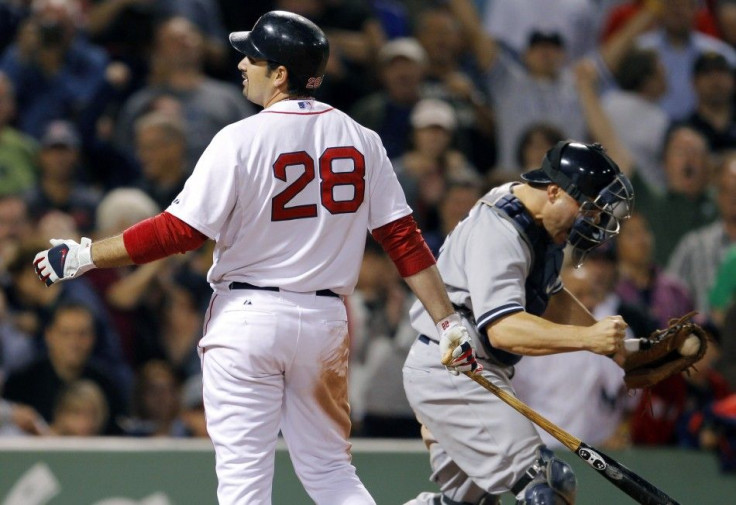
x=627, y=481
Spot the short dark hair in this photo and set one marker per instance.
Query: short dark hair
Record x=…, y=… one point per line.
x=291, y=88
x=635, y=68
x=71, y=306
x=549, y=131
x=710, y=61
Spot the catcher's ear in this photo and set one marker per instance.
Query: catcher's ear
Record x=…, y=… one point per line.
x=553, y=192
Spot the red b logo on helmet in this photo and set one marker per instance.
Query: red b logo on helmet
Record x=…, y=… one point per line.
x=314, y=82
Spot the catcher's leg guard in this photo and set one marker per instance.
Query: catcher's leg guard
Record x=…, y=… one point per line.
x=549, y=481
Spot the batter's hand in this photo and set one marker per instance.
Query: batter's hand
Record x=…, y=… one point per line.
x=606, y=336
x=456, y=349
x=65, y=260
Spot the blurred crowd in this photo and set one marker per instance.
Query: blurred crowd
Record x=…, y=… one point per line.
x=105, y=106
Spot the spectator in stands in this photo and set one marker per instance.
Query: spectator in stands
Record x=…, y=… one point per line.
x=699, y=254
x=620, y=14
x=16, y=347
x=18, y=171
x=70, y=338
x=161, y=145
x=713, y=115
x=110, y=21
x=634, y=110
x=130, y=294
x=603, y=272
x=534, y=142
x=539, y=89
x=641, y=281
x=156, y=406
x=54, y=70
x=459, y=196
x=722, y=294
x=15, y=227
x=454, y=74
x=423, y=170
x=394, y=16
x=687, y=203
x=59, y=186
x=511, y=23
x=12, y=13
x=20, y=420
x=727, y=364
x=380, y=340
x=80, y=410
x=192, y=407
x=185, y=299
x=679, y=45
x=725, y=17
x=177, y=70
x=402, y=65
x=32, y=306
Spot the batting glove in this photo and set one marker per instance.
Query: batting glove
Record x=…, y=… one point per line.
x=65, y=260
x=456, y=350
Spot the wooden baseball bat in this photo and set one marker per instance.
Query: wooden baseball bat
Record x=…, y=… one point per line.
x=627, y=481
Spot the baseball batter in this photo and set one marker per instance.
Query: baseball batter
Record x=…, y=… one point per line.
x=288, y=195
x=501, y=267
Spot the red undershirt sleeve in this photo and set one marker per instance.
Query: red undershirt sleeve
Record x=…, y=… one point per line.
x=160, y=236
x=403, y=242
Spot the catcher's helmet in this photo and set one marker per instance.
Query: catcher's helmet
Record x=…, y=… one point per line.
x=586, y=173
x=290, y=40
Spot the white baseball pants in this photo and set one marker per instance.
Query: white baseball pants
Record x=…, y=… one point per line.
x=278, y=361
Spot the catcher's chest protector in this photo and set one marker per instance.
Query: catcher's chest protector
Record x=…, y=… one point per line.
x=546, y=255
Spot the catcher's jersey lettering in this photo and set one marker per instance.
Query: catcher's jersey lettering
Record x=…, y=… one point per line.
x=329, y=181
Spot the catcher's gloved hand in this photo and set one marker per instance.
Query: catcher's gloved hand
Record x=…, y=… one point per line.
x=665, y=353
x=456, y=350
x=65, y=260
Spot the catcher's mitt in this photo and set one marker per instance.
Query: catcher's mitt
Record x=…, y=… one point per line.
x=665, y=353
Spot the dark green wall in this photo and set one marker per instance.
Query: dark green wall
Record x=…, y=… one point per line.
x=88, y=476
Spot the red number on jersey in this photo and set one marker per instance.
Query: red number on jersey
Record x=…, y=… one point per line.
x=329, y=181
x=279, y=210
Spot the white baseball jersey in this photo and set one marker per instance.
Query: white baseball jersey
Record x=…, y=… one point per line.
x=288, y=195
x=291, y=210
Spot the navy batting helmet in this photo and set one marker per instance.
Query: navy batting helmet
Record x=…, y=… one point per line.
x=605, y=194
x=290, y=40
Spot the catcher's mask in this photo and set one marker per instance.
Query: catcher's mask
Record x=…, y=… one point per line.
x=605, y=195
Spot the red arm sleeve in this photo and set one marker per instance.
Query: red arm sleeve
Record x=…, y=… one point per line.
x=404, y=243
x=160, y=236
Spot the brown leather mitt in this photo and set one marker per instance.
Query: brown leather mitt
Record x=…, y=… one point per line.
x=665, y=353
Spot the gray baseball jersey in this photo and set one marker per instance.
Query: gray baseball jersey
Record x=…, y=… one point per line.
x=493, y=265
x=486, y=264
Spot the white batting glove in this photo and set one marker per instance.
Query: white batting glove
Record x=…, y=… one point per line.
x=65, y=260
x=456, y=348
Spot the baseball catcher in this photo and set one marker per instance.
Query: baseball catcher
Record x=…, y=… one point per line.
x=665, y=353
